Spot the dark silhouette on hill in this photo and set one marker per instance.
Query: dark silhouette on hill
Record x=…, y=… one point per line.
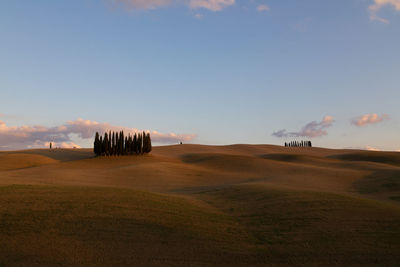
x=298, y=144
x=117, y=144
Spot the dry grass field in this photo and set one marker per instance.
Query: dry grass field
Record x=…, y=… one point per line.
x=193, y=205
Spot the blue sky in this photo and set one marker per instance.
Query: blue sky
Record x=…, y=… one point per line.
x=226, y=71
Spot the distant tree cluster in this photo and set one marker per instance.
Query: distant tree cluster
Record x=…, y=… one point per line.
x=117, y=144
x=299, y=144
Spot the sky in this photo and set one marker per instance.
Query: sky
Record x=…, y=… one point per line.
x=211, y=72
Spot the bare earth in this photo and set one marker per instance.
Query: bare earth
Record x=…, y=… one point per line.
x=193, y=205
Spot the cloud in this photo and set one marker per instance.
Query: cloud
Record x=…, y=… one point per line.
x=213, y=5
x=20, y=137
x=378, y=4
x=368, y=119
x=263, y=8
x=60, y=145
x=368, y=148
x=310, y=130
x=142, y=4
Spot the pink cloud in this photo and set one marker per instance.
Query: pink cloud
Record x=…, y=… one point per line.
x=378, y=4
x=263, y=8
x=310, y=130
x=214, y=5
x=19, y=137
x=54, y=145
x=368, y=119
x=142, y=4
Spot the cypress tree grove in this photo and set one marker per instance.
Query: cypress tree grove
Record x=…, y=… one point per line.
x=115, y=143
x=298, y=144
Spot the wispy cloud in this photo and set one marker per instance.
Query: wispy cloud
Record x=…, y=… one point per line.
x=368, y=148
x=378, y=4
x=263, y=8
x=368, y=119
x=142, y=4
x=310, y=130
x=213, y=5
x=302, y=25
x=19, y=137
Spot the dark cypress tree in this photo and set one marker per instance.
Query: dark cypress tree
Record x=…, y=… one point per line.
x=148, y=142
x=118, y=142
x=112, y=143
x=109, y=148
x=96, y=144
x=101, y=146
x=139, y=143
x=121, y=142
x=143, y=142
x=126, y=146
x=106, y=144
x=135, y=144
x=132, y=145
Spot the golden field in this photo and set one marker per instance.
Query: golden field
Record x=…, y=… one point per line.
x=195, y=205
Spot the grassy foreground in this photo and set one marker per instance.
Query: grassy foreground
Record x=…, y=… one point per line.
x=200, y=206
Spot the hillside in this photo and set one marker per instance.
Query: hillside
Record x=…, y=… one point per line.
x=200, y=205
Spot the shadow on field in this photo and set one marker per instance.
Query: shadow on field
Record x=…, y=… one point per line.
x=61, y=154
x=380, y=181
x=392, y=158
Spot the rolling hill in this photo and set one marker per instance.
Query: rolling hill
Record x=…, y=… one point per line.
x=200, y=205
